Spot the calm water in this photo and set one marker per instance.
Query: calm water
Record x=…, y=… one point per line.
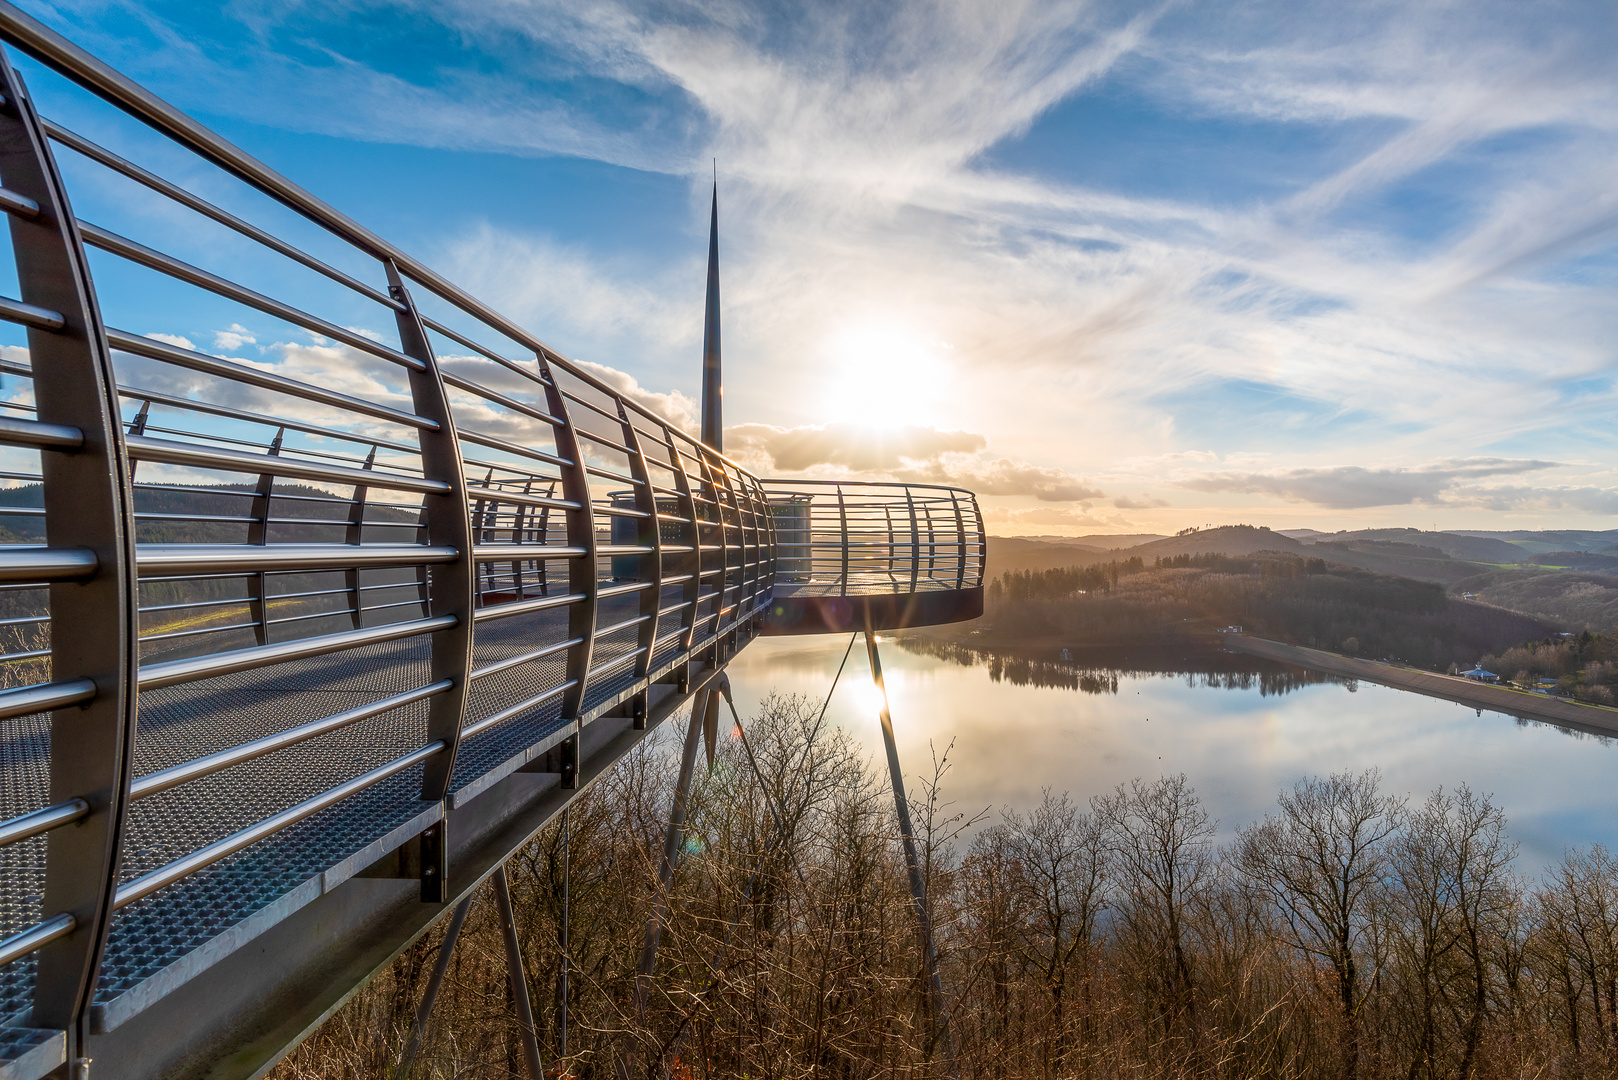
x=1240, y=731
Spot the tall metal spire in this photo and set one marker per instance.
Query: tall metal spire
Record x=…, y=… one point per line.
x=712, y=392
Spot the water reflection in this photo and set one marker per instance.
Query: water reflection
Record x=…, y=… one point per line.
x=1240, y=728
x=1097, y=669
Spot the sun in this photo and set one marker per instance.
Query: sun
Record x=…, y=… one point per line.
x=885, y=375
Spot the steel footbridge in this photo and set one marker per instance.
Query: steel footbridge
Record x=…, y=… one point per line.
x=299, y=646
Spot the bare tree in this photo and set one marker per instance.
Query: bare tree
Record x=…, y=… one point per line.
x=1160, y=840
x=1322, y=862
x=1060, y=855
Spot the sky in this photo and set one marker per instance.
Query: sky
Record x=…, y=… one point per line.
x=1116, y=268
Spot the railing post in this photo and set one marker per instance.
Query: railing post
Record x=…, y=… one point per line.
x=772, y=536
x=915, y=540
x=354, y=534
x=88, y=504
x=259, y=533
x=692, y=565
x=448, y=520
x=711, y=492
x=582, y=574
x=983, y=546
x=741, y=539
x=960, y=549
x=887, y=514
x=842, y=518
x=650, y=535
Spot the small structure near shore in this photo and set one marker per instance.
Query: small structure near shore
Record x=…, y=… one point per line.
x=1477, y=674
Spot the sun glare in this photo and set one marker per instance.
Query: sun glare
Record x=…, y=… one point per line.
x=885, y=375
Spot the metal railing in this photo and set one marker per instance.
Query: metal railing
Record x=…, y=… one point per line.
x=396, y=523
x=873, y=556
x=851, y=538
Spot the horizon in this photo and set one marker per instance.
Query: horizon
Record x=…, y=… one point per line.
x=1114, y=270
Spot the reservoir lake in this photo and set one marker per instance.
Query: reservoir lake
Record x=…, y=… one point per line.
x=1241, y=729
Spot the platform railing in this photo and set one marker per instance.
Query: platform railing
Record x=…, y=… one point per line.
x=396, y=522
x=860, y=537
x=884, y=556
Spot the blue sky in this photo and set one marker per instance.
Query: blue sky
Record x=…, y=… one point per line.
x=1117, y=267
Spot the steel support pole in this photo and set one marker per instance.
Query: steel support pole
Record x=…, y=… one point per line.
x=517, y=978
x=561, y=1006
x=424, y=1011
x=918, y=885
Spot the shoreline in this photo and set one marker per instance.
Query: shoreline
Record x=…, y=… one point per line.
x=1594, y=719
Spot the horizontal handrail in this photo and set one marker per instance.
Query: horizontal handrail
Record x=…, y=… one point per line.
x=43, y=820
x=42, y=697
x=207, y=558
x=35, y=937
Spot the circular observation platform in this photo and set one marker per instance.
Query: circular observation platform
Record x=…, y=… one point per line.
x=878, y=556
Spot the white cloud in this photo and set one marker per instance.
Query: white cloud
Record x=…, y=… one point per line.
x=230, y=340
x=1348, y=487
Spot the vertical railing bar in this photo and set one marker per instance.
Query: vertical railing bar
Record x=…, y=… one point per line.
x=842, y=515
x=960, y=530
x=583, y=574
x=519, y=516
x=983, y=546
x=932, y=540
x=447, y=520
x=650, y=535
x=544, y=534
x=711, y=491
x=89, y=503
x=742, y=579
x=355, y=534
x=915, y=541
x=259, y=533
x=887, y=512
x=763, y=498
x=692, y=564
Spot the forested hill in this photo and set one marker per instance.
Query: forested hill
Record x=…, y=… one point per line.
x=1294, y=598
x=1567, y=578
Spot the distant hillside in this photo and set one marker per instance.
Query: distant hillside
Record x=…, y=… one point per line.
x=1472, y=548
x=1300, y=599
x=1566, y=577
x=1225, y=540
x=1577, y=560
x=1014, y=554
x=1539, y=542
x=1570, y=599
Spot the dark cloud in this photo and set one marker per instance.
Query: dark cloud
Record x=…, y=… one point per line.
x=1350, y=487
